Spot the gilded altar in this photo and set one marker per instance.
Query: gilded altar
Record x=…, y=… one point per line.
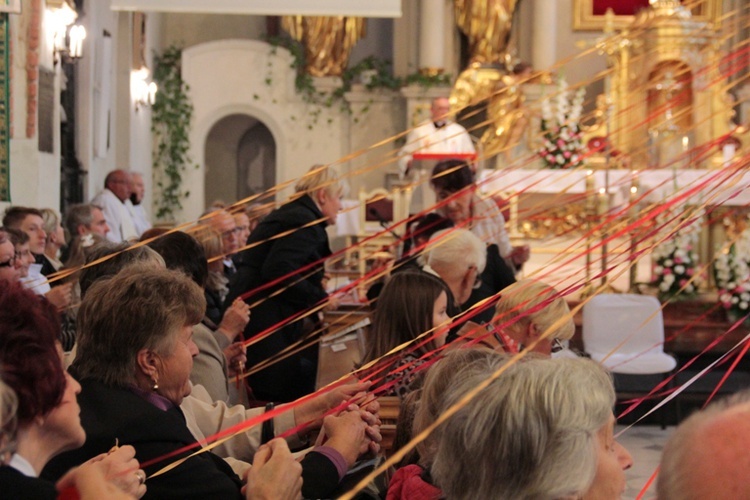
x=667, y=97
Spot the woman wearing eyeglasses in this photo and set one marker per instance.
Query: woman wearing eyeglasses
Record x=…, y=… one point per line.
x=526, y=311
x=23, y=256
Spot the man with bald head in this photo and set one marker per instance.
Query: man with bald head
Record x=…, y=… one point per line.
x=707, y=456
x=112, y=200
x=437, y=135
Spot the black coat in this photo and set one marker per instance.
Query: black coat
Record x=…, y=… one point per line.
x=496, y=276
x=296, y=260
x=214, y=307
x=109, y=414
x=16, y=486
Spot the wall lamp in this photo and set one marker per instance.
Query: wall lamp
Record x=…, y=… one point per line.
x=67, y=41
x=142, y=90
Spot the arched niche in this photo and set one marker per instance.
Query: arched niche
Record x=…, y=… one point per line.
x=239, y=158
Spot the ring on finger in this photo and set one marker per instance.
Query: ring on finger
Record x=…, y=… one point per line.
x=141, y=476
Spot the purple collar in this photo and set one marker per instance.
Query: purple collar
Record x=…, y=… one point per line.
x=155, y=399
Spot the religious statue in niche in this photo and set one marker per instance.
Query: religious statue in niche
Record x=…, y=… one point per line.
x=328, y=41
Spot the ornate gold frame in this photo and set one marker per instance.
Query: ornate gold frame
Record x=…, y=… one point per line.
x=585, y=20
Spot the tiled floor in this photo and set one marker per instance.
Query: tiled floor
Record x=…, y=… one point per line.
x=645, y=444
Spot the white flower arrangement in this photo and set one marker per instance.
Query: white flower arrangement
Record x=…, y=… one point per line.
x=732, y=275
x=561, y=131
x=675, y=261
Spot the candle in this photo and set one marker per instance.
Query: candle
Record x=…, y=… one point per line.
x=634, y=186
x=728, y=153
x=77, y=36
x=603, y=202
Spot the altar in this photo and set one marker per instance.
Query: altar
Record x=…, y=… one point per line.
x=571, y=209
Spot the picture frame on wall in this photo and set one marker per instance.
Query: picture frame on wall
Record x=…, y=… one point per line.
x=10, y=6
x=590, y=15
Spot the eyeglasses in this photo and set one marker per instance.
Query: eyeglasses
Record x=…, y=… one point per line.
x=557, y=346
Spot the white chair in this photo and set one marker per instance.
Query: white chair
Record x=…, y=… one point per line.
x=625, y=332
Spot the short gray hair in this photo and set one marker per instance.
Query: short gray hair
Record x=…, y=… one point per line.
x=317, y=178
x=79, y=215
x=453, y=251
x=530, y=434
x=686, y=449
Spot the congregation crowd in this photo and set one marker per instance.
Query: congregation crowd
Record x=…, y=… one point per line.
x=142, y=362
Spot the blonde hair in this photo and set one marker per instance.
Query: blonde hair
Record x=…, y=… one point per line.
x=50, y=220
x=530, y=301
x=317, y=178
x=210, y=239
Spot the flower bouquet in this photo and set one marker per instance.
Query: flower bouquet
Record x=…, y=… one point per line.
x=561, y=131
x=732, y=275
x=675, y=265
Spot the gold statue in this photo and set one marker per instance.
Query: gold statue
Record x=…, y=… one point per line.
x=328, y=41
x=487, y=25
x=508, y=116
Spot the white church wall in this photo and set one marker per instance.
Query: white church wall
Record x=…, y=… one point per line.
x=187, y=30
x=34, y=175
x=231, y=77
x=98, y=88
x=376, y=117
x=139, y=143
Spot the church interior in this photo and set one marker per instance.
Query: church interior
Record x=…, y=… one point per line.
x=612, y=136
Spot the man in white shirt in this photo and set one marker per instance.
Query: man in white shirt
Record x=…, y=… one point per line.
x=439, y=135
x=135, y=203
x=112, y=200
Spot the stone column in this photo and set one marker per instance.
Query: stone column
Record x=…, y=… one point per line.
x=544, y=42
x=432, y=35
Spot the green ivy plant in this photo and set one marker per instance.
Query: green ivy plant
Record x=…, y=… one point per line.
x=170, y=123
x=427, y=81
x=382, y=78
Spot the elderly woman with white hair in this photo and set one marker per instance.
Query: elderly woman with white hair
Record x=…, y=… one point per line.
x=458, y=257
x=280, y=275
x=542, y=430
